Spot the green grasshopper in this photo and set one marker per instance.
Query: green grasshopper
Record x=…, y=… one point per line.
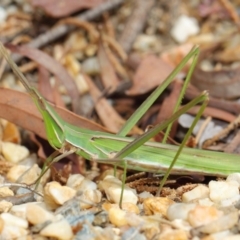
x=136, y=154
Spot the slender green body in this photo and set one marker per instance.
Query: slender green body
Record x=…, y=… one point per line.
x=150, y=157
x=102, y=147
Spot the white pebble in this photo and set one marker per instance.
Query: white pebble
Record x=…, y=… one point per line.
x=74, y=181
x=37, y=215
x=205, y=202
x=56, y=195
x=235, y=177
x=220, y=190
x=89, y=198
x=223, y=223
x=230, y=201
x=201, y=191
x=146, y=42
x=13, y=152
x=157, y=205
x=13, y=232
x=233, y=237
x=87, y=184
x=10, y=219
x=23, y=174
x=60, y=230
x=117, y=217
x=113, y=187
x=145, y=194
x=3, y=15
x=6, y=192
x=184, y=27
x=20, y=210
x=5, y=206
x=220, y=235
x=91, y=66
x=179, y=211
x=202, y=215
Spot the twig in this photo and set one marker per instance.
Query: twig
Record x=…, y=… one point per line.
x=223, y=133
x=233, y=146
x=202, y=129
x=231, y=10
x=135, y=23
x=61, y=30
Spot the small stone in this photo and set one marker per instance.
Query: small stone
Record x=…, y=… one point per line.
x=74, y=181
x=179, y=211
x=91, y=66
x=201, y=191
x=113, y=187
x=130, y=207
x=205, y=202
x=145, y=194
x=174, y=235
x=37, y=215
x=127, y=207
x=202, y=215
x=230, y=201
x=181, y=224
x=220, y=190
x=31, y=175
x=1, y=225
x=151, y=229
x=87, y=184
x=24, y=174
x=157, y=205
x=233, y=237
x=10, y=219
x=13, y=152
x=20, y=210
x=223, y=223
x=117, y=217
x=89, y=198
x=3, y=15
x=56, y=195
x=13, y=232
x=60, y=230
x=184, y=27
x=219, y=235
x=6, y=192
x=234, y=177
x=145, y=43
x=5, y=206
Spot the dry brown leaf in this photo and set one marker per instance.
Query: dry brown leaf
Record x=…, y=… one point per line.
x=50, y=93
x=61, y=8
x=225, y=105
x=52, y=66
x=110, y=118
x=108, y=75
x=221, y=83
x=214, y=112
x=19, y=108
x=168, y=105
x=175, y=55
x=151, y=72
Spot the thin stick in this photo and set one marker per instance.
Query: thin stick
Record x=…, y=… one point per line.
x=201, y=130
x=222, y=133
x=61, y=30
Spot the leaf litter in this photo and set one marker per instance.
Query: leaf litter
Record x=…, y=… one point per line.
x=132, y=44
